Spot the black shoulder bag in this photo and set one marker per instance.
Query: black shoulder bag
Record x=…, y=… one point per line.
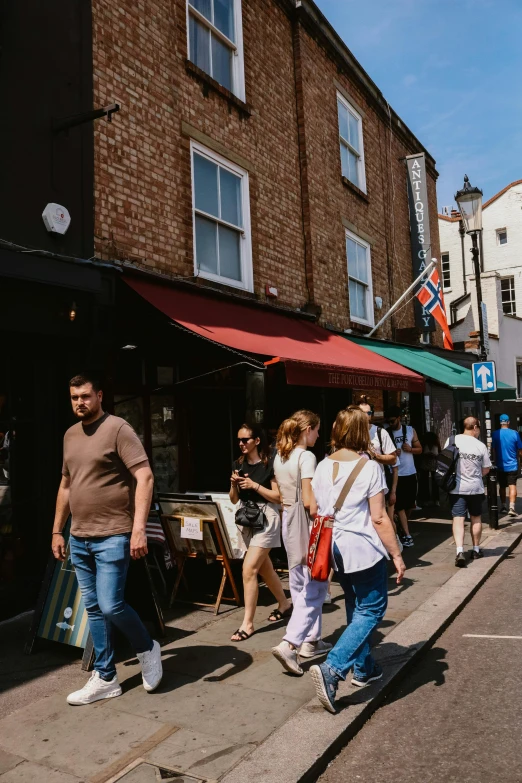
x=250, y=515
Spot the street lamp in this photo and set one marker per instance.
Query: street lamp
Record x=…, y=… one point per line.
x=469, y=201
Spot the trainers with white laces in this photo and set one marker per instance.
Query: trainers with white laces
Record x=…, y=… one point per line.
x=287, y=657
x=94, y=690
x=311, y=649
x=151, y=667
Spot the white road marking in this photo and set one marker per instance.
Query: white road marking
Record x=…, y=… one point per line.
x=488, y=636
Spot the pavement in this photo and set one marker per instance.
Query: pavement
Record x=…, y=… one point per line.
x=224, y=711
x=457, y=717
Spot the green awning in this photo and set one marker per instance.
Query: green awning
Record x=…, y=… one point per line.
x=430, y=365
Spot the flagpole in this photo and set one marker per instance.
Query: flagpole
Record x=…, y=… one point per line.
x=431, y=265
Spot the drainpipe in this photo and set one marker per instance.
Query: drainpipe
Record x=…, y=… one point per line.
x=462, y=232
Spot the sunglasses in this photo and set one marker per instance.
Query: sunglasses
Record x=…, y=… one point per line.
x=369, y=413
x=244, y=440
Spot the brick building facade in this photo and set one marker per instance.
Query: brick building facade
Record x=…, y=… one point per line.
x=282, y=132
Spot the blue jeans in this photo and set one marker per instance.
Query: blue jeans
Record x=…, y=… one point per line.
x=101, y=566
x=366, y=598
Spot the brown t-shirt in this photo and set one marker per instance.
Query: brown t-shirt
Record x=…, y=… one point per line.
x=97, y=457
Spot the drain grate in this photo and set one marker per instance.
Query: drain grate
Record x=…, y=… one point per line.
x=151, y=773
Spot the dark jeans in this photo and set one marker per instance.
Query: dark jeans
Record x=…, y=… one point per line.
x=101, y=566
x=366, y=599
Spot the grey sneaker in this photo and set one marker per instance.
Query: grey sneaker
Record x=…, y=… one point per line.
x=503, y=509
x=512, y=512
x=476, y=555
x=360, y=680
x=287, y=657
x=325, y=685
x=311, y=649
x=95, y=689
x=151, y=667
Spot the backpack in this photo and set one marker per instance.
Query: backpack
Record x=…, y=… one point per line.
x=446, y=473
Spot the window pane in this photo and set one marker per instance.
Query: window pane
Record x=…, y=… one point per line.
x=229, y=253
x=204, y=7
x=343, y=120
x=206, y=245
x=354, y=131
x=345, y=165
x=205, y=185
x=221, y=63
x=224, y=17
x=230, y=187
x=199, y=45
x=357, y=300
x=353, y=174
x=351, y=254
x=362, y=267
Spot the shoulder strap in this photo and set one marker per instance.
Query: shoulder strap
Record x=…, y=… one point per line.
x=298, y=487
x=349, y=483
x=379, y=435
x=404, y=432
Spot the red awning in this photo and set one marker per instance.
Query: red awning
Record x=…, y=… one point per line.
x=313, y=356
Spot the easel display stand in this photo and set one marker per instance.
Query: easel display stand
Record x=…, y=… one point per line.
x=210, y=547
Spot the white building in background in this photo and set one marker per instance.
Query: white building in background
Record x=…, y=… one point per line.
x=501, y=277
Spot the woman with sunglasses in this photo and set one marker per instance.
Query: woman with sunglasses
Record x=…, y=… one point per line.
x=253, y=480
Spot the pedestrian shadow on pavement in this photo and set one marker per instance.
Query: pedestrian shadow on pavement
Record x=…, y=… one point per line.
x=431, y=670
x=210, y=663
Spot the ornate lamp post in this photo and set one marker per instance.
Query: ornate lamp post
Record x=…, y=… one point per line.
x=469, y=200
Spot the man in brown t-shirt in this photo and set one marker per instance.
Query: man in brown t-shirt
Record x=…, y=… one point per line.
x=107, y=487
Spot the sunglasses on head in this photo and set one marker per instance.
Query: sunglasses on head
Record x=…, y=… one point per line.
x=244, y=440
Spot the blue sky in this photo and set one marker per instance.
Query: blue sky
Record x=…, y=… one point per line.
x=453, y=73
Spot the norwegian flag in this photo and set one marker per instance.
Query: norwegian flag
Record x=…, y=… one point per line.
x=431, y=298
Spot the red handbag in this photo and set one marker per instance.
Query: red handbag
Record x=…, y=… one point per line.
x=320, y=558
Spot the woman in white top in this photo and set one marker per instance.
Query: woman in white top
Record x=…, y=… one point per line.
x=293, y=461
x=362, y=538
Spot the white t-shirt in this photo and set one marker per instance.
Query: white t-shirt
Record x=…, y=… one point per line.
x=286, y=472
x=388, y=447
x=353, y=531
x=407, y=463
x=473, y=456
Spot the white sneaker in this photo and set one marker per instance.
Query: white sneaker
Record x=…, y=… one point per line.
x=328, y=599
x=287, y=658
x=151, y=667
x=311, y=649
x=94, y=690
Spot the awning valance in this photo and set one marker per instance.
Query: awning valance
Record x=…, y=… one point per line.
x=313, y=356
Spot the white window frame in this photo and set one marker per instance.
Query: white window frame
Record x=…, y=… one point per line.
x=238, y=66
x=499, y=232
x=512, y=291
x=369, y=292
x=360, y=153
x=245, y=244
x=447, y=269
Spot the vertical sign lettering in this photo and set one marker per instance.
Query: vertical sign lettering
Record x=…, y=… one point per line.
x=420, y=230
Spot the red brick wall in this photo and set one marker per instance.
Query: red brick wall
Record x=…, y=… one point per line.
x=142, y=159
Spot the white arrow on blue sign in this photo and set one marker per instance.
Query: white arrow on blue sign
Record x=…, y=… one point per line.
x=484, y=377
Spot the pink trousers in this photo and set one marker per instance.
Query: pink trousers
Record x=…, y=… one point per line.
x=308, y=599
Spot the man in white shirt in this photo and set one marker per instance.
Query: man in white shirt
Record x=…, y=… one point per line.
x=468, y=495
x=407, y=444
x=385, y=455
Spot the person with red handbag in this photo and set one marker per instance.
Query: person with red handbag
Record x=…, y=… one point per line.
x=351, y=527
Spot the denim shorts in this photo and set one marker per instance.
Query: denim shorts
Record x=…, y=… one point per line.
x=462, y=503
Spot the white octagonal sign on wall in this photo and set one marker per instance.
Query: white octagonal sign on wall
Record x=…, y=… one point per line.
x=56, y=218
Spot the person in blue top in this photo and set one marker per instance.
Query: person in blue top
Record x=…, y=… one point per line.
x=507, y=446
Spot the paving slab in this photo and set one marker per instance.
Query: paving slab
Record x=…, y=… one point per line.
x=27, y=772
x=198, y=754
x=8, y=761
x=79, y=741
x=317, y=734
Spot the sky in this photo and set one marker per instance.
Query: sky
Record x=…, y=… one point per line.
x=452, y=70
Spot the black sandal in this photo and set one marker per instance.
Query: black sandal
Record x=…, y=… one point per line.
x=277, y=615
x=243, y=635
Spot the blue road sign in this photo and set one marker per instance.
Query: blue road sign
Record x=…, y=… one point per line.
x=484, y=377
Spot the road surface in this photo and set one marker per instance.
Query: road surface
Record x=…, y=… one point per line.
x=458, y=715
